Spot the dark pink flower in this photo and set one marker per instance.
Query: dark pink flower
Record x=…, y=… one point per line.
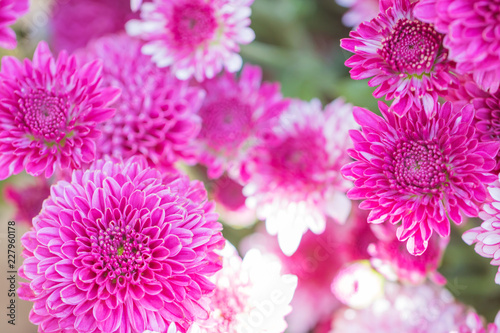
x=28, y=199
x=234, y=113
x=49, y=110
x=74, y=23
x=121, y=249
x=11, y=10
x=155, y=114
x=472, y=35
x=418, y=170
x=197, y=38
x=404, y=57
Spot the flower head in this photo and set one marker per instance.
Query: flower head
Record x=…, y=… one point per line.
x=404, y=57
x=235, y=112
x=419, y=170
x=77, y=22
x=121, y=249
x=28, y=199
x=197, y=38
x=11, y=10
x=245, y=295
x=49, y=110
x=471, y=35
x=155, y=114
x=294, y=173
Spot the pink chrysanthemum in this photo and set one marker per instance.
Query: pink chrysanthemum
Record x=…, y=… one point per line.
x=359, y=11
x=74, y=23
x=294, y=178
x=121, y=249
x=11, y=10
x=48, y=113
x=471, y=35
x=27, y=200
x=420, y=171
x=487, y=236
x=197, y=38
x=235, y=112
x=251, y=295
x=155, y=114
x=408, y=309
x=404, y=57
x=391, y=259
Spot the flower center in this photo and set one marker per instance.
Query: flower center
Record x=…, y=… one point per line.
x=228, y=302
x=226, y=123
x=420, y=165
x=44, y=114
x=412, y=47
x=121, y=252
x=192, y=23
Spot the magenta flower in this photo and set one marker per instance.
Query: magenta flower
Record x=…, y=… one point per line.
x=404, y=57
x=420, y=171
x=235, y=112
x=11, y=10
x=294, y=178
x=359, y=11
x=121, y=249
x=75, y=23
x=27, y=200
x=155, y=114
x=48, y=113
x=471, y=36
x=197, y=38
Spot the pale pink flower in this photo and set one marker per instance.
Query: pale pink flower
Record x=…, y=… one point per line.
x=251, y=295
x=11, y=10
x=359, y=11
x=197, y=38
x=403, y=56
x=121, y=248
x=49, y=110
x=235, y=112
x=294, y=172
x=475, y=324
x=471, y=29
x=418, y=170
x=155, y=114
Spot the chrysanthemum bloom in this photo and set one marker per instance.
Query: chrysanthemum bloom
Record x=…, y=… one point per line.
x=420, y=171
x=251, y=295
x=234, y=113
x=391, y=259
x=359, y=11
x=11, y=10
x=294, y=172
x=409, y=309
x=27, y=200
x=49, y=110
x=471, y=35
x=74, y=23
x=121, y=249
x=197, y=38
x=404, y=57
x=155, y=114
x=487, y=236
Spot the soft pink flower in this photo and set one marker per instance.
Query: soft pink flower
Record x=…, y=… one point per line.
x=404, y=57
x=487, y=236
x=359, y=11
x=472, y=37
x=11, y=10
x=418, y=170
x=27, y=200
x=155, y=114
x=294, y=172
x=475, y=324
x=197, y=38
x=234, y=113
x=49, y=110
x=121, y=249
